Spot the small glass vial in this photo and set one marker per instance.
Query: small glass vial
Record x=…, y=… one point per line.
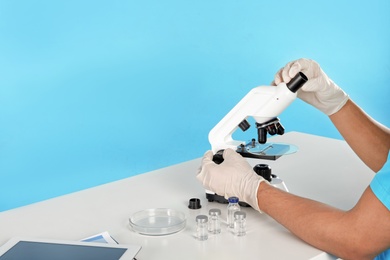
x=231, y=209
x=215, y=222
x=201, y=227
x=240, y=223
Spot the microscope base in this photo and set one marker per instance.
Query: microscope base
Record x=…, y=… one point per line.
x=211, y=197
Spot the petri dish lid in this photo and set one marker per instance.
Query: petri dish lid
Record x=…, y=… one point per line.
x=157, y=222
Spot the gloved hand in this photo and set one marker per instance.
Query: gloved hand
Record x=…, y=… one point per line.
x=233, y=177
x=319, y=91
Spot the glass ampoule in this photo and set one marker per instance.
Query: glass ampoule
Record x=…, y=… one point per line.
x=231, y=209
x=240, y=223
x=201, y=227
x=214, y=221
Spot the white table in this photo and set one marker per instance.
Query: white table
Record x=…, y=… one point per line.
x=323, y=169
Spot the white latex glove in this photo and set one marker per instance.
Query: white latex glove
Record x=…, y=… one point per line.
x=319, y=91
x=233, y=177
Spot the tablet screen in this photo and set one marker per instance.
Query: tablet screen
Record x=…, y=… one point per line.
x=26, y=250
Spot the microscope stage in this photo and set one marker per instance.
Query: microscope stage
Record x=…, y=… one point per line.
x=268, y=151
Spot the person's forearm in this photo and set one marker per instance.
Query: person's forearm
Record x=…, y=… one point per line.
x=369, y=139
x=318, y=224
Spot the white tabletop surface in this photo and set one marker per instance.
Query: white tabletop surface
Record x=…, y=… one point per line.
x=323, y=169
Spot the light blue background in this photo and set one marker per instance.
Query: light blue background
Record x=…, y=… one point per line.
x=96, y=91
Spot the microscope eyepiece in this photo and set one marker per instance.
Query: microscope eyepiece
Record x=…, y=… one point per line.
x=297, y=82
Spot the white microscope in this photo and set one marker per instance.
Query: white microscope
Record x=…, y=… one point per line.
x=264, y=104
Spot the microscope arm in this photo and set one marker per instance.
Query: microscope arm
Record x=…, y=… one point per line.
x=263, y=103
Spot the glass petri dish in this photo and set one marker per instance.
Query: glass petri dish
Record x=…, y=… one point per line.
x=157, y=222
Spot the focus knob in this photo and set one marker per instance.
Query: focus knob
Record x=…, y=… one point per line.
x=264, y=171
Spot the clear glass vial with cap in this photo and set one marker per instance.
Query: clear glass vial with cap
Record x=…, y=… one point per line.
x=240, y=223
x=214, y=221
x=232, y=207
x=201, y=227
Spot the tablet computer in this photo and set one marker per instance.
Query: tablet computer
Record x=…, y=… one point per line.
x=48, y=249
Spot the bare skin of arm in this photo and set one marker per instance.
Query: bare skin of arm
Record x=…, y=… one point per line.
x=369, y=139
x=347, y=234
